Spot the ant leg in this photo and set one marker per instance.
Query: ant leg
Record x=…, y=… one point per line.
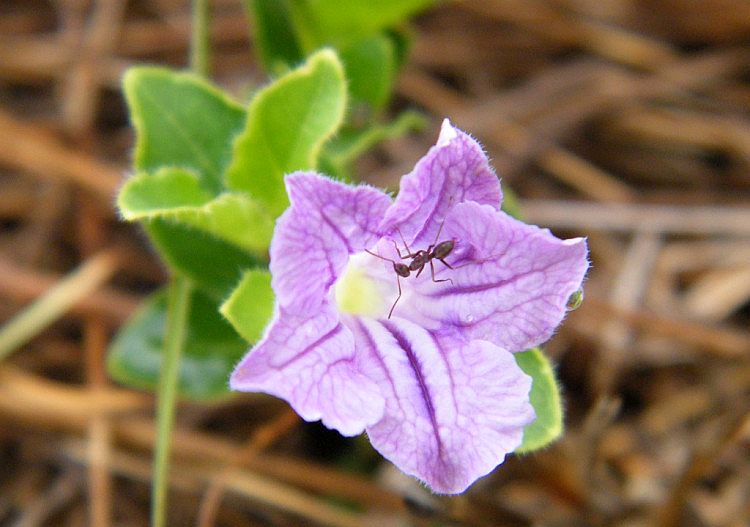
x=409, y=254
x=432, y=269
x=440, y=229
x=426, y=256
x=378, y=256
x=398, y=282
x=402, y=256
x=476, y=262
x=449, y=266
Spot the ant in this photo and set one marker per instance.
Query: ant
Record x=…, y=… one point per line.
x=435, y=251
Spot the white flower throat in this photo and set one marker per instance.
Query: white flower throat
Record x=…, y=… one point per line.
x=367, y=287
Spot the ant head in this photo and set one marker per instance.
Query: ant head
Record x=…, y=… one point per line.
x=401, y=269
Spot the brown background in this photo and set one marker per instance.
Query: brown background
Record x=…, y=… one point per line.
x=626, y=121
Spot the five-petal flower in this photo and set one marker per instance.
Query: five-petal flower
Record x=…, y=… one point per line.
x=435, y=384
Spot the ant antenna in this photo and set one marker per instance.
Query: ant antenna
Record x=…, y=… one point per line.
x=419, y=259
x=401, y=270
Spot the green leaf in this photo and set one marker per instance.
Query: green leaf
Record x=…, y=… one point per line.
x=339, y=153
x=181, y=120
x=370, y=66
x=275, y=38
x=212, y=264
x=510, y=204
x=212, y=348
x=545, y=398
x=250, y=306
x=175, y=194
x=236, y=218
x=209, y=239
x=144, y=194
x=287, y=124
x=402, y=37
x=321, y=22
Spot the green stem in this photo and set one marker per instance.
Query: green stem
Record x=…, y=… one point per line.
x=174, y=342
x=200, y=41
x=177, y=311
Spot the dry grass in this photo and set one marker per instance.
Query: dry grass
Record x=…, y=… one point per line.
x=625, y=121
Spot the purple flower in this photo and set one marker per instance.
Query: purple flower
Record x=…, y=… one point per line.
x=435, y=384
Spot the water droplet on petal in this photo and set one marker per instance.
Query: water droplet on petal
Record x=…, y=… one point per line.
x=575, y=300
x=468, y=319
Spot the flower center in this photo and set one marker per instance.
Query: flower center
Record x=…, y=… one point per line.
x=362, y=290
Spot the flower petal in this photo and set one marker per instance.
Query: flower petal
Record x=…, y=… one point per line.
x=510, y=282
x=453, y=409
x=310, y=362
x=456, y=169
x=326, y=222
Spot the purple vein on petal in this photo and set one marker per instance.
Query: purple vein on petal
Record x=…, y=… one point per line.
x=337, y=362
x=442, y=352
x=479, y=288
x=337, y=231
x=322, y=340
x=416, y=366
x=438, y=202
x=333, y=275
x=374, y=347
x=505, y=310
x=435, y=207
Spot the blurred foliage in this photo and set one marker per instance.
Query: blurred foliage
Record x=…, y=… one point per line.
x=208, y=188
x=372, y=39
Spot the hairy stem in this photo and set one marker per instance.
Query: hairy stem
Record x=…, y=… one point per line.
x=177, y=311
x=200, y=40
x=174, y=342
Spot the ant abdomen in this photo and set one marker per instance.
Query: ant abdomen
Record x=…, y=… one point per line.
x=443, y=249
